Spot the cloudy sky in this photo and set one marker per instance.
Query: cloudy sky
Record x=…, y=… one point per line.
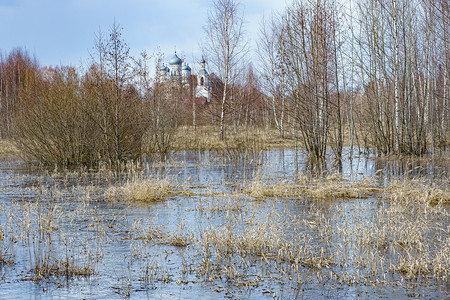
x=61, y=32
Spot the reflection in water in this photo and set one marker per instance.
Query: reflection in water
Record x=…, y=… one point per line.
x=286, y=163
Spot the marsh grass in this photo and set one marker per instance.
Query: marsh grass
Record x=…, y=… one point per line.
x=413, y=231
x=236, y=243
x=67, y=267
x=243, y=245
x=159, y=234
x=33, y=224
x=407, y=239
x=416, y=190
x=140, y=190
x=329, y=187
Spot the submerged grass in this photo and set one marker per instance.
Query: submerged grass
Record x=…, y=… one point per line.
x=410, y=235
x=6, y=256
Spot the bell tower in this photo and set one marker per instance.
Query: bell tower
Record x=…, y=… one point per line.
x=202, y=89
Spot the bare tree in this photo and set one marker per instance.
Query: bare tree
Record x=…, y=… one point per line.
x=404, y=68
x=309, y=47
x=18, y=71
x=272, y=68
x=226, y=46
x=159, y=99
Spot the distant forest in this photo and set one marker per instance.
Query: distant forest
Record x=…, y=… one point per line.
x=366, y=73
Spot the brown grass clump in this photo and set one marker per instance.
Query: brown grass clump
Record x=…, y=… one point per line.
x=140, y=190
x=178, y=239
x=259, y=189
x=7, y=147
x=416, y=190
x=332, y=186
x=61, y=267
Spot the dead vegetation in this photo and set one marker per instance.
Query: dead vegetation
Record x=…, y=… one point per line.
x=5, y=254
x=7, y=147
x=140, y=190
x=67, y=267
x=329, y=187
x=208, y=138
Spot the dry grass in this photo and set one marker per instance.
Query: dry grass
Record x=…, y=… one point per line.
x=7, y=147
x=67, y=267
x=207, y=138
x=231, y=252
x=35, y=226
x=411, y=234
x=329, y=187
x=408, y=237
x=140, y=190
x=416, y=190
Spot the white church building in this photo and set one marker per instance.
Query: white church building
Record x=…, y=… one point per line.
x=176, y=70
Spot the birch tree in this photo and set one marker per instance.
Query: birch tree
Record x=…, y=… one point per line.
x=226, y=47
x=270, y=51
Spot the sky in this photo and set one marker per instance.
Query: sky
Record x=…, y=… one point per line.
x=62, y=32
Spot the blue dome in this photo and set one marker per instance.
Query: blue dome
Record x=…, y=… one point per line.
x=175, y=60
x=186, y=68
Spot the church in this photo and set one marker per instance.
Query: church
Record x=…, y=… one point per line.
x=176, y=70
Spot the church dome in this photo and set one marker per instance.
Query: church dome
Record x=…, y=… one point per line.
x=186, y=68
x=175, y=60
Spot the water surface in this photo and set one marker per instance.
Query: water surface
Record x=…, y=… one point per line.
x=49, y=216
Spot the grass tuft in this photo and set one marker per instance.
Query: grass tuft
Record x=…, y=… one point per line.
x=140, y=190
x=332, y=186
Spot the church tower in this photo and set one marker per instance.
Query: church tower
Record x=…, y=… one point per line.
x=202, y=89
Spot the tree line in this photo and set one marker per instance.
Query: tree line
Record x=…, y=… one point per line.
x=373, y=70
x=367, y=73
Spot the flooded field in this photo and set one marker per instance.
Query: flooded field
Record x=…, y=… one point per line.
x=203, y=225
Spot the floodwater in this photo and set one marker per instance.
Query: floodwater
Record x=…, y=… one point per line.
x=210, y=239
